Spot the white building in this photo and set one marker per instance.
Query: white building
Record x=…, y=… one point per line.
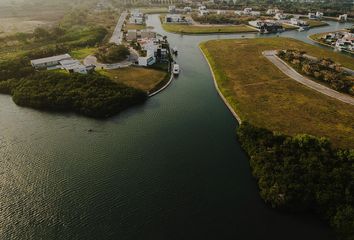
x=74, y=66
x=172, y=9
x=136, y=17
x=319, y=15
x=343, y=18
x=280, y=16
x=248, y=12
x=187, y=9
x=174, y=18
x=202, y=8
x=220, y=12
x=148, y=60
x=131, y=35
x=312, y=16
x=49, y=61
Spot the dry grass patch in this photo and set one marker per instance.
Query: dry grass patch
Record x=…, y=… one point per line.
x=279, y=103
x=145, y=79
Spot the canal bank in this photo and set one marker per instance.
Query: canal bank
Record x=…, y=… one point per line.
x=169, y=169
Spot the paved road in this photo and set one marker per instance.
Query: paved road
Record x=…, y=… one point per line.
x=117, y=36
x=285, y=68
x=92, y=60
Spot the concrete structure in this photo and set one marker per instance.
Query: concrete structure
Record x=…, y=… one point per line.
x=220, y=12
x=148, y=60
x=174, y=18
x=312, y=16
x=298, y=22
x=343, y=18
x=172, y=9
x=280, y=16
x=74, y=66
x=136, y=17
x=49, y=61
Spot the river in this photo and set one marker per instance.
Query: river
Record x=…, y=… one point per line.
x=169, y=169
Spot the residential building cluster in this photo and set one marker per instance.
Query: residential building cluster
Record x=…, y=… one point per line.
x=343, y=41
x=151, y=45
x=267, y=26
x=176, y=18
x=64, y=61
x=137, y=17
x=248, y=12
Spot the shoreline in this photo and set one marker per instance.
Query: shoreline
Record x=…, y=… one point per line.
x=228, y=105
x=164, y=86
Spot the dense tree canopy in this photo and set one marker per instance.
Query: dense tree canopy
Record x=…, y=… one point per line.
x=92, y=95
x=303, y=173
x=112, y=53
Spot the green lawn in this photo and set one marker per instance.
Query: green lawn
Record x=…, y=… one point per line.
x=83, y=52
x=261, y=94
x=145, y=79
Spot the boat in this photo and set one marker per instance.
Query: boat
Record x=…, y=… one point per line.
x=301, y=29
x=175, y=69
x=175, y=51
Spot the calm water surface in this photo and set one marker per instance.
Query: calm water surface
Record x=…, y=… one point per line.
x=169, y=169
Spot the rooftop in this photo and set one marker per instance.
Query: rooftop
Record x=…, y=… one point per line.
x=50, y=59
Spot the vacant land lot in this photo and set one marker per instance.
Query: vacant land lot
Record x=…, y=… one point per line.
x=316, y=23
x=145, y=79
x=261, y=94
x=191, y=29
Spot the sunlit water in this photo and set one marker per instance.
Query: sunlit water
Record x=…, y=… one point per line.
x=169, y=169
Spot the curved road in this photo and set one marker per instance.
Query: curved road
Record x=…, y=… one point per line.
x=289, y=71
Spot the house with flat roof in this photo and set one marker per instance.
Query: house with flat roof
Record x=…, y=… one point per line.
x=74, y=66
x=49, y=61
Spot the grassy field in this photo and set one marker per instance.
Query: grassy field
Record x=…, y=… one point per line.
x=134, y=27
x=316, y=23
x=154, y=10
x=190, y=29
x=261, y=94
x=145, y=79
x=82, y=53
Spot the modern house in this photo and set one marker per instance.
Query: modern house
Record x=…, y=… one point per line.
x=148, y=60
x=136, y=17
x=248, y=12
x=343, y=18
x=267, y=26
x=74, y=66
x=175, y=18
x=312, y=16
x=298, y=22
x=220, y=12
x=49, y=61
x=172, y=9
x=64, y=61
x=280, y=16
x=273, y=11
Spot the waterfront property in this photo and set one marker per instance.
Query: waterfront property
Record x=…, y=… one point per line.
x=264, y=96
x=64, y=61
x=136, y=17
x=341, y=40
x=49, y=61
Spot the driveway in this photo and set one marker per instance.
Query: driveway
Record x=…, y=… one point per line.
x=117, y=36
x=289, y=71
